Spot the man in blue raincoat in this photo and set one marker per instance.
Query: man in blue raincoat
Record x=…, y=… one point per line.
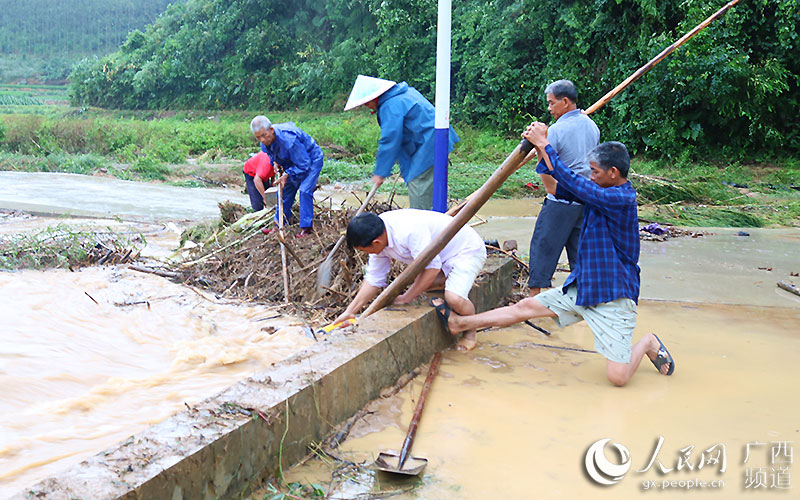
x=406, y=119
x=301, y=159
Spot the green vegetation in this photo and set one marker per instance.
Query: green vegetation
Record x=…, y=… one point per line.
x=293, y=491
x=41, y=40
x=155, y=146
x=730, y=91
x=711, y=194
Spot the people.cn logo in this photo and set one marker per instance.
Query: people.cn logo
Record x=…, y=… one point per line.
x=600, y=469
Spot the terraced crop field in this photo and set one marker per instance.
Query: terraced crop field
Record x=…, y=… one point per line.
x=21, y=98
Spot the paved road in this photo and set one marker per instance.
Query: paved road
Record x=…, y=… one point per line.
x=47, y=193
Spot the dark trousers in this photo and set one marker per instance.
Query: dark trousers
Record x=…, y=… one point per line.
x=256, y=201
x=557, y=226
x=305, y=188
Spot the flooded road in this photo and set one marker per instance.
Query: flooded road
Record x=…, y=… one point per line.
x=89, y=358
x=514, y=418
x=90, y=196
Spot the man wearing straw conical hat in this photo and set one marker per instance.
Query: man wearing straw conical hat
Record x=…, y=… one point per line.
x=407, y=125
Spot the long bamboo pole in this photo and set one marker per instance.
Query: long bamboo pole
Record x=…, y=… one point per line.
x=657, y=59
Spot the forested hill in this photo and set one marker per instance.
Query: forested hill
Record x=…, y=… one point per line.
x=69, y=28
x=734, y=88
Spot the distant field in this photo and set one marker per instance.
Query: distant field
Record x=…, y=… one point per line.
x=18, y=98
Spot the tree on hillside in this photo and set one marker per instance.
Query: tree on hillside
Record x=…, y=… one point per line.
x=76, y=27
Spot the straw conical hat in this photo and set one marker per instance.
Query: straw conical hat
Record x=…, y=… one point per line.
x=366, y=89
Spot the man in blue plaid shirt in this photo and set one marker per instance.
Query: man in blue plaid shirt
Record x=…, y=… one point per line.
x=603, y=288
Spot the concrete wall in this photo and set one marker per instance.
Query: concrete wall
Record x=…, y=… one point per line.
x=246, y=433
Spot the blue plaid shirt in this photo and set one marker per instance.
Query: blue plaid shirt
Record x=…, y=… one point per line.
x=608, y=253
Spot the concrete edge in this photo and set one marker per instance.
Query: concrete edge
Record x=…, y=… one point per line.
x=246, y=433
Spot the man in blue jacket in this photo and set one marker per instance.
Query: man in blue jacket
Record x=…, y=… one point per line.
x=301, y=159
x=406, y=119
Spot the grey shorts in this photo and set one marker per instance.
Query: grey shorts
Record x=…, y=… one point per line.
x=612, y=323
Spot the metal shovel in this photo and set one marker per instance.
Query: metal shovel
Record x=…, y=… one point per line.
x=325, y=269
x=403, y=464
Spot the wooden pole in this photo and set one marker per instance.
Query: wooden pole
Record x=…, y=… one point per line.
x=283, y=247
x=509, y=166
x=657, y=59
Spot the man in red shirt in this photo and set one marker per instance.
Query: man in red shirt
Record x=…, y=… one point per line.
x=258, y=176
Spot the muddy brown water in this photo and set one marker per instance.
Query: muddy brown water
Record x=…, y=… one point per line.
x=84, y=363
x=514, y=419
x=76, y=376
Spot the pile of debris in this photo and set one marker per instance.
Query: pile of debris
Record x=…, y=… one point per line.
x=240, y=262
x=657, y=232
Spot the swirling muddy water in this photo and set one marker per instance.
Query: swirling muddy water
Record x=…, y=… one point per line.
x=88, y=358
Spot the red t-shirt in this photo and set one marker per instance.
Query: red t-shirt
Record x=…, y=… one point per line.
x=259, y=165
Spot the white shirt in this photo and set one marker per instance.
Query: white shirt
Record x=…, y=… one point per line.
x=409, y=232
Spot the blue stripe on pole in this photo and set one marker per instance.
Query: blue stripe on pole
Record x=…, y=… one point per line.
x=441, y=147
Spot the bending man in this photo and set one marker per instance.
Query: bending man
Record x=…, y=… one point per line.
x=403, y=235
x=407, y=126
x=258, y=177
x=301, y=159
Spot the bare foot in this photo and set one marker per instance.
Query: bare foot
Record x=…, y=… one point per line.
x=467, y=342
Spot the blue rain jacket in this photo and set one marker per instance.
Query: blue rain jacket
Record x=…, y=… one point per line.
x=295, y=150
x=407, y=124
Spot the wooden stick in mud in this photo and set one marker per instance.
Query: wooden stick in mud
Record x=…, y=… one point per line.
x=509, y=166
x=509, y=254
x=283, y=246
x=150, y=270
x=284, y=243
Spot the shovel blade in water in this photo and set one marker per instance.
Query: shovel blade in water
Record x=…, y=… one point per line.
x=387, y=462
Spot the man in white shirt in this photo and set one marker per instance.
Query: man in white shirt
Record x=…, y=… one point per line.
x=403, y=235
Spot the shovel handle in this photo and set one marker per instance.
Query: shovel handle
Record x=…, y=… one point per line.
x=412, y=429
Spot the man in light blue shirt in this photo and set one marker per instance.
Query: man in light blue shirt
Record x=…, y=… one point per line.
x=558, y=225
